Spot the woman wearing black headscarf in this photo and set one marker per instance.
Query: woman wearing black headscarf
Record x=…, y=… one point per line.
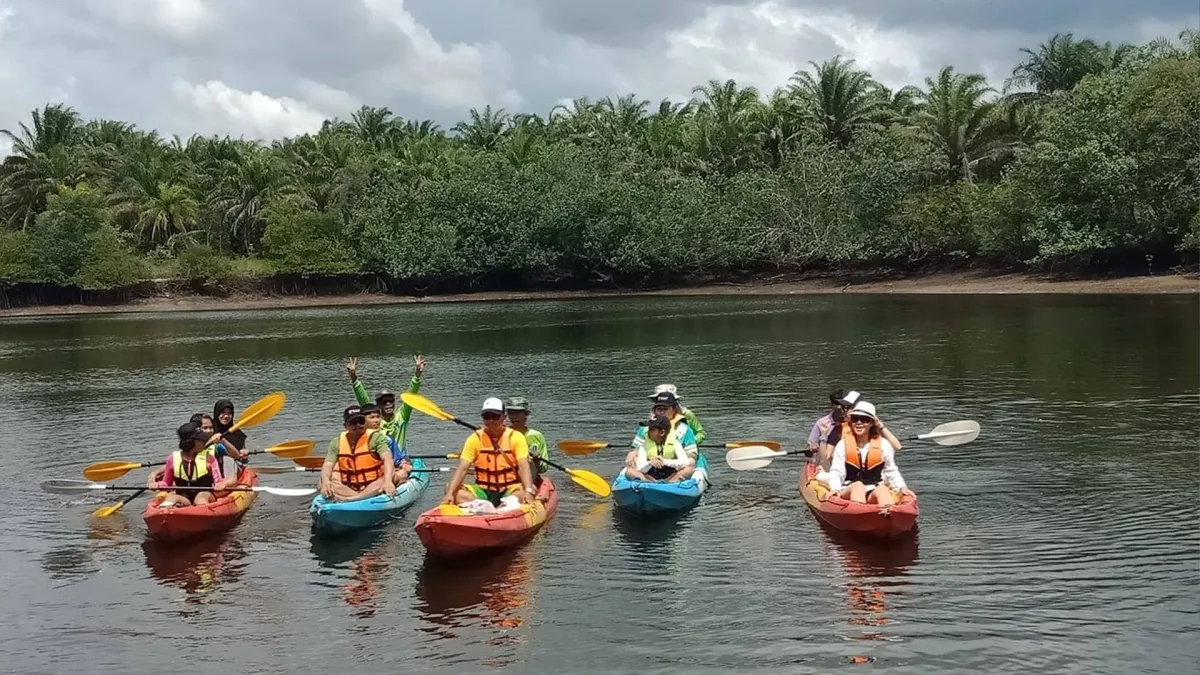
x=234, y=442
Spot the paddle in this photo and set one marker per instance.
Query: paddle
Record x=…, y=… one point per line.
x=102, y=471
x=260, y=411
x=315, y=463
x=67, y=486
x=581, y=447
x=583, y=478
x=950, y=433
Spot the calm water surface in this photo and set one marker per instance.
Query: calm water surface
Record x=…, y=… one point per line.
x=1066, y=539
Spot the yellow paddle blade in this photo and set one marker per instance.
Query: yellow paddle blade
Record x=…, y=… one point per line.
x=102, y=472
x=774, y=445
x=590, y=482
x=106, y=511
x=310, y=462
x=418, y=402
x=260, y=411
x=290, y=449
x=581, y=447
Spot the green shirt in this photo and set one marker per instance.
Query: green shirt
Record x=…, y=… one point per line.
x=397, y=427
x=378, y=446
x=537, y=447
x=694, y=423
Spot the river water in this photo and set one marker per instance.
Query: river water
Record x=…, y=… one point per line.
x=1066, y=539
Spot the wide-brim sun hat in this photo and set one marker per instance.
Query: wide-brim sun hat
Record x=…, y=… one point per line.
x=863, y=409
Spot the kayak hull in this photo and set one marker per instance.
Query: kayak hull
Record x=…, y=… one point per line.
x=449, y=531
x=332, y=518
x=866, y=520
x=649, y=498
x=176, y=523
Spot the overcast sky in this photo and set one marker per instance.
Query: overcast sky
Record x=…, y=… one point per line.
x=266, y=68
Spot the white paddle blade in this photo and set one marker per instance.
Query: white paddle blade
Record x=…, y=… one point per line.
x=286, y=492
x=751, y=457
x=70, y=486
x=953, y=433
x=275, y=470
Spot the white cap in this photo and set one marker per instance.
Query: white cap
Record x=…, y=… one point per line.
x=863, y=408
x=493, y=404
x=851, y=397
x=668, y=388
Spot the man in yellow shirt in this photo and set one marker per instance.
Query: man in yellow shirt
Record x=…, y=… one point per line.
x=500, y=457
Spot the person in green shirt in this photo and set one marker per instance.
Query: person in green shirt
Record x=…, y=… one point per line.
x=517, y=409
x=393, y=424
x=362, y=459
x=692, y=420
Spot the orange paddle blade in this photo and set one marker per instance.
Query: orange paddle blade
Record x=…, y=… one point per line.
x=310, y=462
x=590, y=481
x=290, y=449
x=576, y=447
x=102, y=472
x=774, y=445
x=260, y=411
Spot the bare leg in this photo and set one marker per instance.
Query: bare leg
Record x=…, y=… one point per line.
x=204, y=498
x=682, y=474
x=344, y=493
x=630, y=459
x=399, y=476
x=464, y=496
x=634, y=474
x=175, y=499
x=858, y=492
x=882, y=495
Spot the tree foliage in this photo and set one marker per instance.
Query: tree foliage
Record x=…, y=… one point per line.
x=1090, y=155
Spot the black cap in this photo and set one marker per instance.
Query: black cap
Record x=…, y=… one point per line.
x=191, y=431
x=385, y=394
x=371, y=409
x=657, y=422
x=665, y=398
x=351, y=413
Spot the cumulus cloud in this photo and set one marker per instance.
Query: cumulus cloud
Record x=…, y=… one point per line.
x=271, y=67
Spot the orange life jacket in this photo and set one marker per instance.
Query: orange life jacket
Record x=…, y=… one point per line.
x=496, y=467
x=870, y=474
x=357, y=466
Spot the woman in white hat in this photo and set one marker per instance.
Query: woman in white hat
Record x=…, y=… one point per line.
x=863, y=468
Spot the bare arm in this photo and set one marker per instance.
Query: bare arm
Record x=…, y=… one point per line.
x=456, y=480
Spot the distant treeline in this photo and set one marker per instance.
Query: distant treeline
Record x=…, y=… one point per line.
x=1087, y=157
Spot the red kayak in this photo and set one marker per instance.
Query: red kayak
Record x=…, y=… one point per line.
x=175, y=523
x=448, y=530
x=862, y=519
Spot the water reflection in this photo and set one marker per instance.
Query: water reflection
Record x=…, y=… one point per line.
x=874, y=571
x=69, y=562
x=198, y=567
x=652, y=534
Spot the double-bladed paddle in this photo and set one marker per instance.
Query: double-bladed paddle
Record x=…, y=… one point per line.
x=586, y=447
x=68, y=486
x=586, y=479
x=758, y=457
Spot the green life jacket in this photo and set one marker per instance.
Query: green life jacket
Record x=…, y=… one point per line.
x=671, y=450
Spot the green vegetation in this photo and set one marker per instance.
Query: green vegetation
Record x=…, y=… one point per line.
x=1088, y=158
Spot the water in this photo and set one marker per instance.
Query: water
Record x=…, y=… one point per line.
x=1064, y=540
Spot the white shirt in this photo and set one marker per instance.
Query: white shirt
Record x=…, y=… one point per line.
x=891, y=474
x=642, y=461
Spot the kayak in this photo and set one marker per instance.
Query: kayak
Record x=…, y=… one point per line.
x=861, y=519
x=331, y=518
x=646, y=497
x=181, y=522
x=448, y=530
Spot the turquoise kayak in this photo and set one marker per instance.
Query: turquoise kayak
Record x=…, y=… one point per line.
x=648, y=498
x=331, y=518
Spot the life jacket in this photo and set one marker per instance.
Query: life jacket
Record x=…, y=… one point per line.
x=191, y=474
x=870, y=474
x=496, y=467
x=357, y=466
x=670, y=449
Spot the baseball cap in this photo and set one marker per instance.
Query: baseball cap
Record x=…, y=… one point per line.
x=669, y=388
x=851, y=398
x=518, y=403
x=370, y=409
x=385, y=394
x=657, y=422
x=665, y=398
x=493, y=404
x=351, y=413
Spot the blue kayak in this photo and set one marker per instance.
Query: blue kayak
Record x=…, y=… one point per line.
x=637, y=496
x=330, y=517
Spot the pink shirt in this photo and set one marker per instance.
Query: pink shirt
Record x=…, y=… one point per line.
x=168, y=479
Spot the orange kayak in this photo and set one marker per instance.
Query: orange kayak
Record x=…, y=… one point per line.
x=861, y=519
x=182, y=522
x=447, y=530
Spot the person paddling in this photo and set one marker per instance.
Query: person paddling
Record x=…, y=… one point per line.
x=827, y=431
x=214, y=446
x=400, y=462
x=661, y=457
x=362, y=460
x=692, y=420
x=235, y=443
x=500, y=456
x=393, y=424
x=190, y=466
x=517, y=409
x=665, y=404
x=863, y=468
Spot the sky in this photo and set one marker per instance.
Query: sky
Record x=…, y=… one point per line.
x=269, y=68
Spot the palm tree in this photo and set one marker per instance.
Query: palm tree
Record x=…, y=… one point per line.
x=243, y=194
x=839, y=99
x=485, y=129
x=41, y=160
x=53, y=125
x=1061, y=63
x=955, y=116
x=726, y=131
x=170, y=210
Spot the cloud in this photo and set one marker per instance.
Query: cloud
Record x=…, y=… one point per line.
x=261, y=116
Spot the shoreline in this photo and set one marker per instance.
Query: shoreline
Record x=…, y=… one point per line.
x=963, y=283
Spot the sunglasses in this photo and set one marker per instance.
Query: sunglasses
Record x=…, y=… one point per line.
x=861, y=420
x=492, y=416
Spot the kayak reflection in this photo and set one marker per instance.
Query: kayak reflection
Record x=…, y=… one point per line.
x=367, y=554
x=460, y=593
x=874, y=573
x=198, y=567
